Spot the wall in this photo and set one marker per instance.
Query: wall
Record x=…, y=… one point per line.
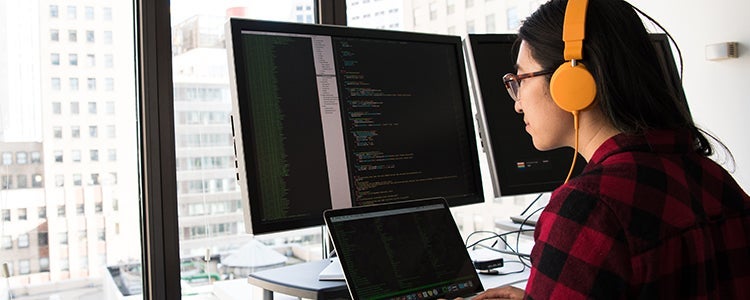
x=717, y=91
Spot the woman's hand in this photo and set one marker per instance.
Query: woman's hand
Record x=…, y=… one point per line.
x=506, y=292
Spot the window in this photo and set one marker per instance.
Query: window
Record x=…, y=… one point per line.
x=36, y=157
x=61, y=211
x=433, y=11
x=470, y=26
x=64, y=263
x=73, y=59
x=108, y=37
x=109, y=61
x=57, y=132
x=107, y=13
x=75, y=155
x=7, y=242
x=7, y=158
x=450, y=7
x=98, y=207
x=90, y=36
x=72, y=36
x=73, y=82
x=80, y=209
x=72, y=12
x=91, y=83
x=44, y=264
x=58, y=156
x=23, y=183
x=55, y=83
x=74, y=108
x=43, y=238
x=54, y=11
x=93, y=131
x=490, y=23
x=92, y=108
x=59, y=180
x=469, y=3
x=75, y=131
x=109, y=107
x=54, y=59
x=42, y=212
x=111, y=132
x=77, y=179
x=89, y=12
x=23, y=240
x=101, y=235
x=513, y=19
x=63, y=238
x=90, y=60
x=109, y=84
x=94, y=179
x=56, y=108
x=22, y=158
x=54, y=35
x=112, y=154
x=6, y=215
x=36, y=181
x=24, y=267
x=6, y=183
x=94, y=155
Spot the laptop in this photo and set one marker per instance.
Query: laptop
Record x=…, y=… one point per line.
x=404, y=250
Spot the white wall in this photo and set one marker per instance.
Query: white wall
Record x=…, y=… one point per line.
x=717, y=91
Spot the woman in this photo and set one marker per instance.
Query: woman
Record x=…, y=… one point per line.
x=651, y=216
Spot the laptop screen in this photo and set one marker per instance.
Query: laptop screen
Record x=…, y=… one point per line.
x=407, y=250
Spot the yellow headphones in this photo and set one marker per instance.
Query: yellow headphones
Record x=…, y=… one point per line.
x=572, y=86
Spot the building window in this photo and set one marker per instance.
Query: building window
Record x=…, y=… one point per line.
x=98, y=207
x=77, y=179
x=36, y=157
x=55, y=83
x=94, y=155
x=64, y=263
x=59, y=180
x=62, y=237
x=80, y=209
x=513, y=21
x=54, y=11
x=23, y=240
x=111, y=131
x=6, y=215
x=72, y=36
x=92, y=108
x=43, y=238
x=93, y=131
x=37, y=181
x=42, y=212
x=75, y=131
x=57, y=132
x=91, y=83
x=450, y=7
x=109, y=61
x=109, y=107
x=44, y=264
x=89, y=13
x=94, y=179
x=489, y=22
x=73, y=59
x=101, y=235
x=112, y=154
x=22, y=158
x=107, y=13
x=23, y=183
x=7, y=242
x=56, y=108
x=7, y=158
x=54, y=35
x=90, y=36
x=72, y=13
x=73, y=82
x=470, y=26
x=61, y=211
x=74, y=108
x=90, y=60
x=107, y=37
x=24, y=267
x=75, y=155
x=54, y=59
x=433, y=11
x=109, y=84
x=6, y=183
x=469, y=3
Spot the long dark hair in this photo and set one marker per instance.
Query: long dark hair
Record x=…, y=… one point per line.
x=631, y=89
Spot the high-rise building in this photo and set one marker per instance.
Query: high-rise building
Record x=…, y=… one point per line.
x=380, y=14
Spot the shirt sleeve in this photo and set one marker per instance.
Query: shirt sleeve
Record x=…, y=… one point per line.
x=580, y=250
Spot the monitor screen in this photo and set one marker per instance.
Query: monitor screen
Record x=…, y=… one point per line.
x=333, y=117
x=516, y=167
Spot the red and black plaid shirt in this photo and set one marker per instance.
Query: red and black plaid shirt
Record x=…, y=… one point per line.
x=647, y=218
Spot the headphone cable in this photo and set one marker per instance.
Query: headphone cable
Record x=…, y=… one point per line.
x=575, y=149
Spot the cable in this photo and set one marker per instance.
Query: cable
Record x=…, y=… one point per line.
x=532, y=202
x=575, y=153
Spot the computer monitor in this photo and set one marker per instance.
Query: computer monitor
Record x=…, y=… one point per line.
x=332, y=117
x=516, y=166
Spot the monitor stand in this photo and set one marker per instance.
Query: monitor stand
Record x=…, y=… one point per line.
x=333, y=271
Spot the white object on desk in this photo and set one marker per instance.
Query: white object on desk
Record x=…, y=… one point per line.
x=333, y=271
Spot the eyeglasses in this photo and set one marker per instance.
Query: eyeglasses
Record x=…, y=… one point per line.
x=513, y=82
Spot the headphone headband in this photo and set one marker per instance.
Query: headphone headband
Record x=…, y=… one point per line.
x=574, y=29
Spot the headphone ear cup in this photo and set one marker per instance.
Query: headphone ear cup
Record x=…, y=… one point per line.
x=572, y=87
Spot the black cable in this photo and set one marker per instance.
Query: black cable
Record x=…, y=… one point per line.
x=532, y=203
x=518, y=237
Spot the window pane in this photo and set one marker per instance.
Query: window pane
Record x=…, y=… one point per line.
x=49, y=61
x=203, y=136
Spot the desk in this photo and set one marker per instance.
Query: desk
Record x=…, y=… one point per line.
x=301, y=280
